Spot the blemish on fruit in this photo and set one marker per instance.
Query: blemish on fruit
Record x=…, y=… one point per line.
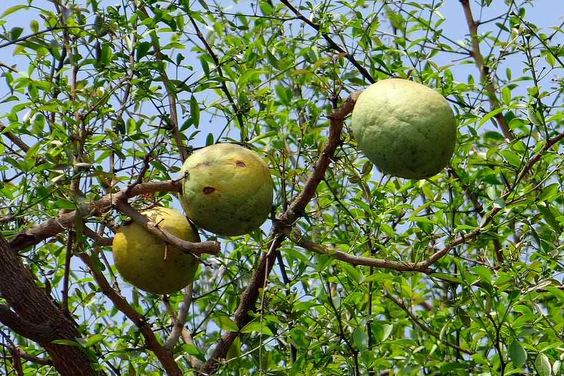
x=208, y=190
x=240, y=164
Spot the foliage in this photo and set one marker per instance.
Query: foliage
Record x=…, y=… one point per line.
x=98, y=96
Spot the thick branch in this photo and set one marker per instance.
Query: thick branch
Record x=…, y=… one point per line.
x=484, y=70
x=25, y=328
x=31, y=304
x=296, y=208
x=54, y=226
x=179, y=319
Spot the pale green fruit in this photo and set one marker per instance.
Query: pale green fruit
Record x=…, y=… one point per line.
x=406, y=129
x=226, y=189
x=147, y=262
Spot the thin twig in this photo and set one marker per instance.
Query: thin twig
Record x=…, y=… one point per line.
x=296, y=236
x=168, y=87
x=195, y=248
x=333, y=44
x=224, y=88
x=485, y=71
x=424, y=327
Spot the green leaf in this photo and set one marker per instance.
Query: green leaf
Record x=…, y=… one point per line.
x=447, y=277
x=488, y=116
x=257, y=327
x=191, y=349
x=359, y=338
x=484, y=273
x=517, y=354
x=542, y=365
x=194, y=111
x=209, y=139
x=13, y=9
x=550, y=192
x=16, y=32
x=143, y=49
x=66, y=342
x=225, y=323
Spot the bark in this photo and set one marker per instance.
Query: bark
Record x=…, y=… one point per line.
x=47, y=323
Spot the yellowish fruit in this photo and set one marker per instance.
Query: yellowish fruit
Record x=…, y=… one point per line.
x=406, y=129
x=226, y=189
x=147, y=262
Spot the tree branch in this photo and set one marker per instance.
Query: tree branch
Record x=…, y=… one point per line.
x=297, y=237
x=277, y=236
x=224, y=88
x=168, y=87
x=164, y=355
x=15, y=139
x=424, y=327
x=64, y=221
x=195, y=248
x=485, y=71
x=333, y=45
x=35, y=314
x=25, y=328
x=179, y=319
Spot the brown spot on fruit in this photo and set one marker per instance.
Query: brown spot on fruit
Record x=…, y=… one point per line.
x=208, y=190
x=240, y=164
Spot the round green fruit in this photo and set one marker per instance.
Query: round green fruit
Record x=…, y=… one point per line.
x=147, y=262
x=406, y=129
x=226, y=189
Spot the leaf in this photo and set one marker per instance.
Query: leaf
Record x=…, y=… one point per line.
x=517, y=354
x=550, y=192
x=16, y=32
x=488, y=116
x=359, y=338
x=225, y=323
x=66, y=342
x=13, y=9
x=447, y=277
x=191, y=349
x=283, y=94
x=542, y=365
x=484, y=273
x=194, y=111
x=386, y=331
x=257, y=327
x=209, y=139
x=143, y=49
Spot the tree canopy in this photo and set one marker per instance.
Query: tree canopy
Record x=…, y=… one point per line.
x=355, y=272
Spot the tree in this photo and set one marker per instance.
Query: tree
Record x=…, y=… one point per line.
x=356, y=272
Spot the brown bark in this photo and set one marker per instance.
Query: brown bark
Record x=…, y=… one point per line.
x=284, y=221
x=47, y=323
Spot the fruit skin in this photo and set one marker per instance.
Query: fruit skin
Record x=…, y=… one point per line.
x=226, y=189
x=406, y=129
x=147, y=262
